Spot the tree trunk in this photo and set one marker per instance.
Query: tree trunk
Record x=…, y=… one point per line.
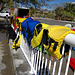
x=2, y=7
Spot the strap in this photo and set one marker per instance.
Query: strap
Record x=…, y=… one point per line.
x=39, y=28
x=20, y=27
x=28, y=29
x=34, y=32
x=17, y=39
x=50, y=40
x=45, y=37
x=55, y=46
x=29, y=32
x=17, y=21
x=67, y=47
x=16, y=42
x=49, y=43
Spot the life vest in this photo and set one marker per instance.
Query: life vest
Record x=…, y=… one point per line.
x=15, y=22
x=57, y=35
x=18, y=23
x=24, y=23
x=31, y=25
x=73, y=48
x=15, y=26
x=28, y=27
x=73, y=29
x=16, y=43
x=12, y=18
x=38, y=34
x=72, y=63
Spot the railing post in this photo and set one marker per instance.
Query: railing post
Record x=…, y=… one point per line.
x=37, y=61
x=49, y=65
x=61, y=60
x=35, y=58
x=54, y=67
x=12, y=26
x=74, y=72
x=45, y=64
x=32, y=61
x=68, y=61
x=42, y=62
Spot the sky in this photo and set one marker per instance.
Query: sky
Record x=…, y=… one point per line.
x=58, y=2
x=55, y=3
x=61, y=1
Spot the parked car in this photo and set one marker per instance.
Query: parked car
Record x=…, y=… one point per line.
x=4, y=14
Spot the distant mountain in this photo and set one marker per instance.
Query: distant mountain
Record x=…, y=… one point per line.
x=46, y=10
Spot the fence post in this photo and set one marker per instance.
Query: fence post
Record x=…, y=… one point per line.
x=61, y=60
x=45, y=64
x=32, y=68
x=42, y=62
x=74, y=72
x=54, y=67
x=68, y=61
x=49, y=65
x=32, y=61
x=35, y=58
x=37, y=61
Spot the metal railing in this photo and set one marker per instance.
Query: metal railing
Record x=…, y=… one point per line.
x=41, y=63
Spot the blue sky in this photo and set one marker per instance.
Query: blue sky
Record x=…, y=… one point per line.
x=61, y=1
x=56, y=3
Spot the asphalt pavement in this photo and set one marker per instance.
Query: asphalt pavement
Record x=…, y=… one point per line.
x=54, y=22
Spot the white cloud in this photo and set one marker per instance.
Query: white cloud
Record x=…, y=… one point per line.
x=73, y=2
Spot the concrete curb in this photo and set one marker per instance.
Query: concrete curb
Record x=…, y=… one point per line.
x=20, y=63
x=53, y=19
